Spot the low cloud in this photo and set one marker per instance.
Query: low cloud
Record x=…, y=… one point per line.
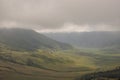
x=61, y=15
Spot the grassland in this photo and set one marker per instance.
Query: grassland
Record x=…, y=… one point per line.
x=54, y=65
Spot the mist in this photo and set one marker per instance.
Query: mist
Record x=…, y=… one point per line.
x=61, y=15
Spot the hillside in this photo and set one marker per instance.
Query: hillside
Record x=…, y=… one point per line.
x=28, y=55
x=41, y=65
x=23, y=39
x=89, y=39
x=113, y=74
x=53, y=65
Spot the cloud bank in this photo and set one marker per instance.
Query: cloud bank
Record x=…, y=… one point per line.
x=61, y=15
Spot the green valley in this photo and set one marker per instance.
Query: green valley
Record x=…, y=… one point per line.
x=50, y=59
x=53, y=65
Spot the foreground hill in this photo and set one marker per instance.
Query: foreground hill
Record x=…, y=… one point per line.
x=53, y=65
x=103, y=75
x=41, y=65
x=22, y=39
x=89, y=39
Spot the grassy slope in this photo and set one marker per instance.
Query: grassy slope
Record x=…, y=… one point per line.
x=40, y=65
x=54, y=65
x=12, y=71
x=105, y=57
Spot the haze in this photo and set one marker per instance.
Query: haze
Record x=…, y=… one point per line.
x=61, y=15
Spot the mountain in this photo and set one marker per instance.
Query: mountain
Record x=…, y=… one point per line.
x=24, y=62
x=23, y=39
x=88, y=39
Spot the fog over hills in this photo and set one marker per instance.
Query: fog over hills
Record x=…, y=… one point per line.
x=94, y=39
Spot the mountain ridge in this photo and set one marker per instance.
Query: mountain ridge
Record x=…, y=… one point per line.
x=26, y=39
x=100, y=39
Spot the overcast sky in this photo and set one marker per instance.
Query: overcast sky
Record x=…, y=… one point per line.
x=61, y=15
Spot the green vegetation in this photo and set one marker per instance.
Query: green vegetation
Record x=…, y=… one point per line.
x=54, y=65
x=28, y=55
x=40, y=64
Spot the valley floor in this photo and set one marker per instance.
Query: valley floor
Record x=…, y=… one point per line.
x=54, y=65
x=11, y=71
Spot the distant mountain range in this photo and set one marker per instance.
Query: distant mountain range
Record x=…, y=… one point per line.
x=23, y=39
x=88, y=39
